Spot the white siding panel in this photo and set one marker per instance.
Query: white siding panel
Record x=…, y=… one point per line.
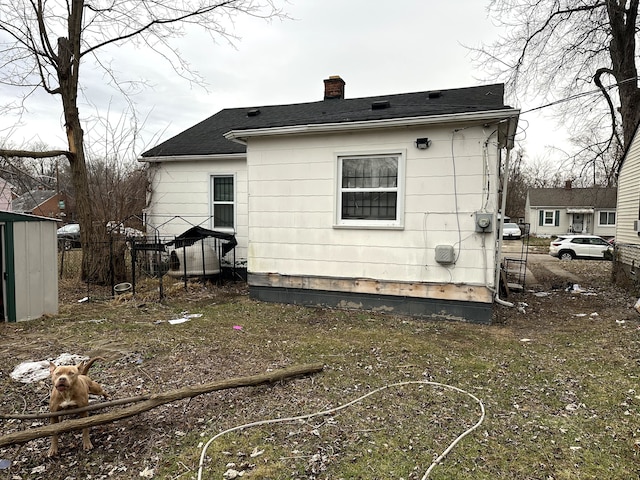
x=301, y=204
x=182, y=189
x=629, y=195
x=303, y=187
x=292, y=191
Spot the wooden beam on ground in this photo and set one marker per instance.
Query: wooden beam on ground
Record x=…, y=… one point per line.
x=156, y=400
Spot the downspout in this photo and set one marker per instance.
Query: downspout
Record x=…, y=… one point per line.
x=505, y=181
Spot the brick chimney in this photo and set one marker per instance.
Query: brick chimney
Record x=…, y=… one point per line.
x=567, y=185
x=333, y=87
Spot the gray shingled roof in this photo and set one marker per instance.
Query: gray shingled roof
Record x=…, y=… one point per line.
x=30, y=200
x=574, y=197
x=207, y=138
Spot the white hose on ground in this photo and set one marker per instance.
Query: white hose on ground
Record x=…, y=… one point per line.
x=341, y=407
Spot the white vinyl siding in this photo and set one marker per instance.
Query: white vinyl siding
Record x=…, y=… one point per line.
x=294, y=189
x=628, y=209
x=182, y=197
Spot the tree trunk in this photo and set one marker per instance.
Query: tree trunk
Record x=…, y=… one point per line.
x=95, y=250
x=623, y=50
x=157, y=400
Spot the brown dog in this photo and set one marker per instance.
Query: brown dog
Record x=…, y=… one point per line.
x=71, y=389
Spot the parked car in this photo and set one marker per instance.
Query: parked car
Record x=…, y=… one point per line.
x=69, y=236
x=511, y=230
x=568, y=247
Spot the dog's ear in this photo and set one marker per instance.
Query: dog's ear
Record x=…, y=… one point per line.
x=52, y=367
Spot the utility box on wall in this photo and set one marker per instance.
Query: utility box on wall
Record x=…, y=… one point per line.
x=445, y=254
x=484, y=222
x=29, y=266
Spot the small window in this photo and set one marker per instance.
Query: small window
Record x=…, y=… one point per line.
x=549, y=218
x=223, y=204
x=369, y=190
x=607, y=218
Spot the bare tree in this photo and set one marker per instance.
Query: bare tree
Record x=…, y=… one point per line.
x=43, y=43
x=578, y=50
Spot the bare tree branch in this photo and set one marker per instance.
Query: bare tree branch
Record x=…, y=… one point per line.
x=34, y=154
x=157, y=400
x=554, y=50
x=46, y=43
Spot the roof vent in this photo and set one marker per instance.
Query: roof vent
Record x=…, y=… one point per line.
x=254, y=112
x=380, y=105
x=435, y=94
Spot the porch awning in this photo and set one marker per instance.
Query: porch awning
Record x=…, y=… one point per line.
x=580, y=210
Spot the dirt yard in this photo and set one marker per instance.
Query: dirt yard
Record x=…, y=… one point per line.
x=144, y=353
x=545, y=297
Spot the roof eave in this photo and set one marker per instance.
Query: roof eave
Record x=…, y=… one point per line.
x=510, y=116
x=191, y=158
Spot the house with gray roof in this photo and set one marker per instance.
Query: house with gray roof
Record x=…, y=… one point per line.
x=556, y=211
x=44, y=203
x=385, y=203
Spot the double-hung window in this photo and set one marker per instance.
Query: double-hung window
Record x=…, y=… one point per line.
x=370, y=190
x=222, y=201
x=549, y=218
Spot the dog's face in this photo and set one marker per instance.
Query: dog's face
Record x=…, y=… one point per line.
x=64, y=376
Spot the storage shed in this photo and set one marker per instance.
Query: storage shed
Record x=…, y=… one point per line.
x=29, y=265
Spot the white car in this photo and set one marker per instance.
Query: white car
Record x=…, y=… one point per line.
x=568, y=247
x=511, y=230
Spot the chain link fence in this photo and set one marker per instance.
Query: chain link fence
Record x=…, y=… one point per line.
x=138, y=263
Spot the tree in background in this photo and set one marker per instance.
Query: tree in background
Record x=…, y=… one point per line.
x=44, y=43
x=118, y=187
x=582, y=50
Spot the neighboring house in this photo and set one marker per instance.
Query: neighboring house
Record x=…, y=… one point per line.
x=385, y=203
x=556, y=211
x=627, y=254
x=6, y=195
x=44, y=203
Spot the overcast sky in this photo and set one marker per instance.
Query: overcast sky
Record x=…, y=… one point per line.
x=376, y=47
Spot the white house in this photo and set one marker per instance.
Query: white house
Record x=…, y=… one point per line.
x=627, y=254
x=384, y=203
x=556, y=211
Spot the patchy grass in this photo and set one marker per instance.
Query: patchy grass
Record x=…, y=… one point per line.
x=539, y=241
x=560, y=390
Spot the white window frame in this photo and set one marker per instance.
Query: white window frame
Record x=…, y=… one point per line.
x=212, y=202
x=608, y=212
x=398, y=223
x=553, y=218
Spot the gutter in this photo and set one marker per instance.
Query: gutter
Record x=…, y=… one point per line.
x=508, y=115
x=190, y=158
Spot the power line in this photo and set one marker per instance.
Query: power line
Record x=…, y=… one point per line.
x=579, y=95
